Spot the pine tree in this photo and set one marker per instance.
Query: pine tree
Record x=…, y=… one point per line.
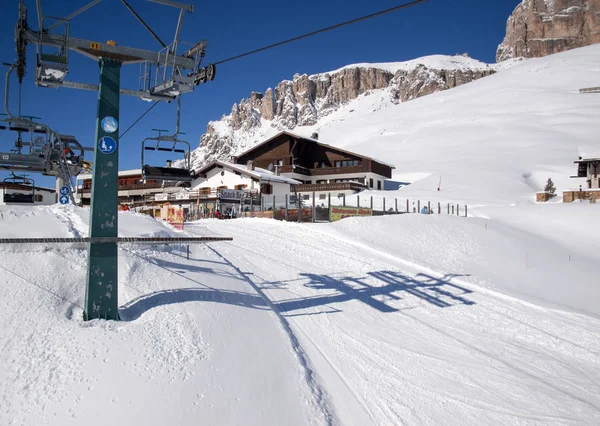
x=550, y=188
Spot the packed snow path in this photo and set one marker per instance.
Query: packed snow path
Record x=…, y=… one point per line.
x=294, y=324
x=401, y=344
x=197, y=345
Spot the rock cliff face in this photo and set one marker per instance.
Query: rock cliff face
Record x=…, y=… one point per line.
x=305, y=99
x=538, y=28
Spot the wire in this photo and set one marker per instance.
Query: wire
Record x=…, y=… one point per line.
x=362, y=18
x=136, y=121
x=402, y=6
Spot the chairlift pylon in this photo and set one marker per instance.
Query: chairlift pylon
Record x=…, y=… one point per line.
x=170, y=144
x=19, y=182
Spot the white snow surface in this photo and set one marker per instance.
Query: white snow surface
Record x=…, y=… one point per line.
x=438, y=62
x=398, y=320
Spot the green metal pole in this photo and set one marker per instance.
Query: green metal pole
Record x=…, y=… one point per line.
x=101, y=295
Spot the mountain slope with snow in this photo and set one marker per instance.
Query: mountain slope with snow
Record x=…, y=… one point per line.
x=305, y=100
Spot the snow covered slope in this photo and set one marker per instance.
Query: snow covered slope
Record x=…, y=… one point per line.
x=196, y=344
x=306, y=100
x=397, y=320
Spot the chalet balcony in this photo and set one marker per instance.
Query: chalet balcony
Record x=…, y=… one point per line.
x=338, y=170
x=322, y=171
x=137, y=186
x=330, y=187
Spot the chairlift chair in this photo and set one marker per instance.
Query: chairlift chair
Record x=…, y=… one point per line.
x=28, y=198
x=168, y=173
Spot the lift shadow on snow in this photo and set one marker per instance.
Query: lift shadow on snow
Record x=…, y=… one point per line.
x=439, y=292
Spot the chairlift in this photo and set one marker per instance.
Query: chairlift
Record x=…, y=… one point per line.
x=169, y=144
x=18, y=197
x=168, y=173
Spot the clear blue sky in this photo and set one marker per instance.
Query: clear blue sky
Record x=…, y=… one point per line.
x=233, y=27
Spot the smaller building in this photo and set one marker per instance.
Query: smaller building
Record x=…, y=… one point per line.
x=133, y=190
x=228, y=187
x=17, y=194
x=588, y=168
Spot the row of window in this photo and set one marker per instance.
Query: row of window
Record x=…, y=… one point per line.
x=346, y=163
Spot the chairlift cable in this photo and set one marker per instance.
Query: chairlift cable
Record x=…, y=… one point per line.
x=136, y=121
x=353, y=21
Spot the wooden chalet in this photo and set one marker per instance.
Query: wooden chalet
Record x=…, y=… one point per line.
x=318, y=166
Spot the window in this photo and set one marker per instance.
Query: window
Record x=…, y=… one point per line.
x=221, y=187
x=241, y=186
x=370, y=183
x=338, y=164
x=39, y=198
x=379, y=185
x=344, y=163
x=279, y=163
x=322, y=196
x=355, y=163
x=266, y=188
x=204, y=191
x=306, y=197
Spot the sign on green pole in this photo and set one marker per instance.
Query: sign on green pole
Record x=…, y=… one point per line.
x=101, y=296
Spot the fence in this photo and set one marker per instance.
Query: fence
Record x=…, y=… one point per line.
x=330, y=207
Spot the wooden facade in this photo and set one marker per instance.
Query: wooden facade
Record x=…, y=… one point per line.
x=295, y=154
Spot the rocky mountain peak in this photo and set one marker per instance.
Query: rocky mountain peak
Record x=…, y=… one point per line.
x=539, y=28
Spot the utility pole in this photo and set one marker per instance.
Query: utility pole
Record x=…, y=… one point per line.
x=101, y=299
x=168, y=82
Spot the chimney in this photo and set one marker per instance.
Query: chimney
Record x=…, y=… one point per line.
x=277, y=172
x=250, y=165
x=169, y=163
x=315, y=136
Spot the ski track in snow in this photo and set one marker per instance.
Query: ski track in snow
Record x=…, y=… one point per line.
x=532, y=353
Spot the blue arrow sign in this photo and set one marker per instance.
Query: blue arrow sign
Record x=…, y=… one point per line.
x=64, y=199
x=107, y=145
x=64, y=190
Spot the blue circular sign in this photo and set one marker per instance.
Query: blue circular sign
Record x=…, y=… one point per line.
x=64, y=199
x=107, y=145
x=109, y=124
x=64, y=190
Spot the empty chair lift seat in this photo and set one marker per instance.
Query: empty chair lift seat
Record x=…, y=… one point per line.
x=167, y=174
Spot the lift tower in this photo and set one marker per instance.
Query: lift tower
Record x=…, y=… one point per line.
x=163, y=77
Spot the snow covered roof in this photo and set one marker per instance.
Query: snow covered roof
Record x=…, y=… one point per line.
x=257, y=173
x=297, y=136
x=268, y=176
x=588, y=152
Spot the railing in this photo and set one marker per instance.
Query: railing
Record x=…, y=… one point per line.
x=337, y=170
x=135, y=186
x=323, y=170
x=295, y=169
x=341, y=186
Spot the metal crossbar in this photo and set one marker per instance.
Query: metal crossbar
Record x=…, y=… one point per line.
x=99, y=240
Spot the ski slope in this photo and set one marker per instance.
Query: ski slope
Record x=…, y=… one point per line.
x=399, y=342
x=295, y=324
x=195, y=344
